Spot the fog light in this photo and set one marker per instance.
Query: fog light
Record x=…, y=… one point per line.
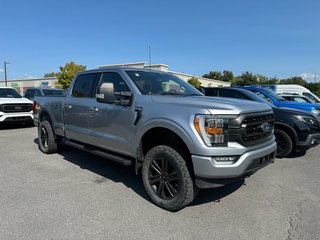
x=226, y=159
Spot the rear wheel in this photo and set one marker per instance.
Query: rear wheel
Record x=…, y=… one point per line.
x=284, y=143
x=167, y=179
x=47, y=141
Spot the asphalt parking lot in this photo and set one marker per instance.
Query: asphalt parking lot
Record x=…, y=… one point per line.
x=76, y=195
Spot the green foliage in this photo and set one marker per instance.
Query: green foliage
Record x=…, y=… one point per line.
x=52, y=74
x=246, y=78
x=68, y=72
x=227, y=76
x=213, y=75
x=294, y=80
x=194, y=82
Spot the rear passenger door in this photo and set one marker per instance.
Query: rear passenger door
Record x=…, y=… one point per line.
x=77, y=106
x=111, y=124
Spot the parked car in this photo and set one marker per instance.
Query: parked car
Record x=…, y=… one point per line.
x=295, y=130
x=296, y=98
x=179, y=139
x=14, y=107
x=32, y=93
x=279, y=101
x=293, y=88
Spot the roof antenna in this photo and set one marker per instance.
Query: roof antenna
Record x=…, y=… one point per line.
x=149, y=58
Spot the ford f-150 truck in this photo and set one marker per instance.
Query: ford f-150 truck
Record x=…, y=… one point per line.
x=177, y=138
x=14, y=107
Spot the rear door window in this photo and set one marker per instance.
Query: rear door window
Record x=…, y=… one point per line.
x=83, y=86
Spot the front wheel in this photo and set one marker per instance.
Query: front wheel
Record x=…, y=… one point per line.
x=284, y=143
x=47, y=141
x=166, y=178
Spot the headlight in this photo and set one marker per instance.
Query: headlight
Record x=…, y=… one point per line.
x=308, y=120
x=213, y=129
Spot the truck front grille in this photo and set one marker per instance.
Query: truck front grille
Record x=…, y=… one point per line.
x=257, y=128
x=12, y=108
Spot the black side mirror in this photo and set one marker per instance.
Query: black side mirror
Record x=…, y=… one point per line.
x=105, y=93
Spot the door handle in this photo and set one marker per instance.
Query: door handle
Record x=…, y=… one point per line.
x=93, y=109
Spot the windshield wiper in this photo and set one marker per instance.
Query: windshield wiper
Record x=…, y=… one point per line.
x=191, y=94
x=171, y=93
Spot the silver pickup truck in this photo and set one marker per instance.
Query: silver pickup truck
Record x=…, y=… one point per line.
x=177, y=138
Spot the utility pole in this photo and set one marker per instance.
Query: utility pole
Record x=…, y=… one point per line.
x=5, y=71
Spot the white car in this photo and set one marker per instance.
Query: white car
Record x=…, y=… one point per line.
x=14, y=107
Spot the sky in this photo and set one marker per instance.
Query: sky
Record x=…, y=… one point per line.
x=273, y=38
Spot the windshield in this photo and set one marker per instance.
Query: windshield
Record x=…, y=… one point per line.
x=156, y=83
x=251, y=96
x=274, y=95
x=9, y=93
x=313, y=98
x=53, y=92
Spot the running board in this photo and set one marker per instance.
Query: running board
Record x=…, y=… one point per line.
x=100, y=153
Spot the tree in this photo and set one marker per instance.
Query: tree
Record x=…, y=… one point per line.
x=246, y=78
x=227, y=76
x=294, y=80
x=68, y=72
x=52, y=74
x=213, y=75
x=194, y=82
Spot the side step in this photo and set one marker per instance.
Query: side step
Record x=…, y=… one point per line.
x=100, y=153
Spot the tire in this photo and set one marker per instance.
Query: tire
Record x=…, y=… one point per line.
x=284, y=143
x=47, y=142
x=166, y=178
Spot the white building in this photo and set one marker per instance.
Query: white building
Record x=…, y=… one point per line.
x=22, y=84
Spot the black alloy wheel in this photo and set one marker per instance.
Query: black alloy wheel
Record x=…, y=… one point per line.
x=167, y=179
x=163, y=178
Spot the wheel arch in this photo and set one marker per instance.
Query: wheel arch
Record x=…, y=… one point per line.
x=167, y=134
x=288, y=129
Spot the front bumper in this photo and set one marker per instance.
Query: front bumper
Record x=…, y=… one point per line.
x=210, y=174
x=311, y=141
x=16, y=117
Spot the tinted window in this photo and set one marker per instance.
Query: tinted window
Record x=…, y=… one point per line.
x=37, y=93
x=211, y=92
x=29, y=93
x=115, y=78
x=53, y=92
x=83, y=85
x=230, y=93
x=9, y=93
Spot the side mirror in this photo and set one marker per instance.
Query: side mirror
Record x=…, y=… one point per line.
x=105, y=93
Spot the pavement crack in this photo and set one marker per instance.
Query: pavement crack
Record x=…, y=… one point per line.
x=294, y=222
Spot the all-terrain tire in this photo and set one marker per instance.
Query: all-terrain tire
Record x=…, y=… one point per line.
x=47, y=141
x=284, y=142
x=177, y=189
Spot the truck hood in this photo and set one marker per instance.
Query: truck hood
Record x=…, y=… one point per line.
x=215, y=105
x=294, y=111
x=14, y=100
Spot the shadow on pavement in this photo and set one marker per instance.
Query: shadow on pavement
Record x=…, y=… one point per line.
x=111, y=171
x=9, y=126
x=296, y=154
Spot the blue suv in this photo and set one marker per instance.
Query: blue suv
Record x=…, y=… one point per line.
x=279, y=101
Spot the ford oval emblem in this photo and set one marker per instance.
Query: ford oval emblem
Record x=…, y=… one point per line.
x=265, y=127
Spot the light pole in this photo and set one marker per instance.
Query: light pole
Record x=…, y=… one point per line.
x=5, y=71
